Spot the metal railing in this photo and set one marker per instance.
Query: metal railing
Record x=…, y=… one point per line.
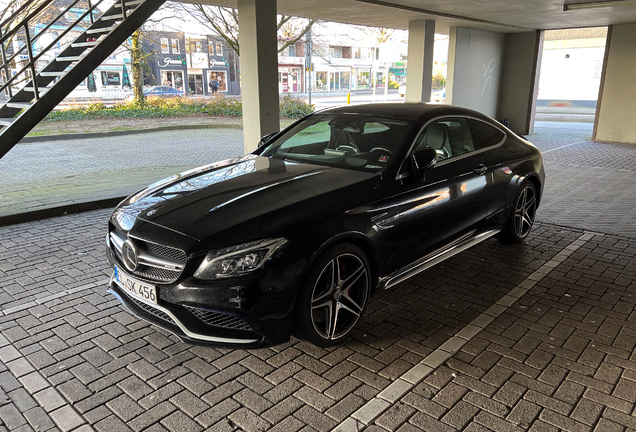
x=7, y=35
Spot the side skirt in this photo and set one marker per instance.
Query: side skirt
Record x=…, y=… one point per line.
x=436, y=257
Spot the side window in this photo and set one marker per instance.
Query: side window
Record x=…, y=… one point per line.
x=484, y=135
x=450, y=137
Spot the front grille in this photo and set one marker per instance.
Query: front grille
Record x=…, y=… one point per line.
x=216, y=319
x=154, y=273
x=167, y=252
x=149, y=308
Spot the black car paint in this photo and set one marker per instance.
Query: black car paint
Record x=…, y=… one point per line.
x=395, y=216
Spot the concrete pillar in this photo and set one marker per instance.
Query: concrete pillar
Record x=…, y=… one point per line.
x=520, y=80
x=616, y=108
x=474, y=69
x=259, y=69
x=420, y=61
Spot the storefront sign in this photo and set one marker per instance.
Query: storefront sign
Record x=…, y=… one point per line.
x=170, y=62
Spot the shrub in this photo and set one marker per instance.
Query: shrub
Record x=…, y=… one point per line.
x=294, y=108
x=156, y=107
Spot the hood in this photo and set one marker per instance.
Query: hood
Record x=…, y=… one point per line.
x=249, y=197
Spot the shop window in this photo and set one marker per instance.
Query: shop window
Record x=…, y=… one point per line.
x=219, y=49
x=175, y=46
x=221, y=79
x=165, y=49
x=111, y=78
x=172, y=79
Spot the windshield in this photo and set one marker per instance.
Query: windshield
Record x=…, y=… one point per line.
x=351, y=141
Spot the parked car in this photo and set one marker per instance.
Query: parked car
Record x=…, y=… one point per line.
x=160, y=91
x=438, y=95
x=402, y=90
x=295, y=236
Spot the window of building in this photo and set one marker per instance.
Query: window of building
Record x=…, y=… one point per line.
x=219, y=49
x=175, y=46
x=196, y=47
x=165, y=49
x=335, y=51
x=220, y=77
x=111, y=78
x=172, y=79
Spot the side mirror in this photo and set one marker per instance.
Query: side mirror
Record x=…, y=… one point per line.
x=424, y=159
x=266, y=138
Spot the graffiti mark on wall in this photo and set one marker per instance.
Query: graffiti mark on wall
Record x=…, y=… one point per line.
x=489, y=79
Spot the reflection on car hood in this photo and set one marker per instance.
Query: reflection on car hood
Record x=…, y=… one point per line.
x=208, y=200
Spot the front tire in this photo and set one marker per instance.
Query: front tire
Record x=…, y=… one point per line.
x=333, y=296
x=522, y=215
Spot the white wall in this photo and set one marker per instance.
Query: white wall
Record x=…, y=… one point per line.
x=575, y=78
x=474, y=69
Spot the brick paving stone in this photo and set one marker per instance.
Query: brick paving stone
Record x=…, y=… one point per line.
x=548, y=352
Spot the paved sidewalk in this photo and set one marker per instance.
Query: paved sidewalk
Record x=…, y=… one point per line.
x=43, y=175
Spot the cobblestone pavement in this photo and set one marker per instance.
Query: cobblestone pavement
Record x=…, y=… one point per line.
x=538, y=336
x=560, y=357
x=588, y=185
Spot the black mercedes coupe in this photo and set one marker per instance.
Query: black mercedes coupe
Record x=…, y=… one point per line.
x=295, y=237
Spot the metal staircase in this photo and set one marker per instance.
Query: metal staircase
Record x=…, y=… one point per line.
x=47, y=87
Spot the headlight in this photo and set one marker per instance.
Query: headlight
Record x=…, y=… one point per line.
x=239, y=260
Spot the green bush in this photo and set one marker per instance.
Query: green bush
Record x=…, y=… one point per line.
x=294, y=108
x=290, y=107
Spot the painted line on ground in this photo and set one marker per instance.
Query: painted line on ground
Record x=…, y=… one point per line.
x=564, y=146
x=48, y=298
x=373, y=409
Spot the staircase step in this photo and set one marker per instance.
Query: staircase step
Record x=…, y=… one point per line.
x=20, y=105
x=131, y=3
x=112, y=17
x=52, y=74
x=42, y=90
x=101, y=30
x=83, y=44
x=68, y=59
x=6, y=121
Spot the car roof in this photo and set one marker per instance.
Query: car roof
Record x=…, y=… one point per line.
x=407, y=110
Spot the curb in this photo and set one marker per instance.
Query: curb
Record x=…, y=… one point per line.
x=65, y=137
x=60, y=211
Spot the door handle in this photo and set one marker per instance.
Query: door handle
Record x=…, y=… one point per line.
x=480, y=169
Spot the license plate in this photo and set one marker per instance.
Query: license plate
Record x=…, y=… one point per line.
x=137, y=289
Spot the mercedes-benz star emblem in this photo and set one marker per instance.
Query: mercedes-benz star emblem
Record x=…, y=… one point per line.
x=130, y=255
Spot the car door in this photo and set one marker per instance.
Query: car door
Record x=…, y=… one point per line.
x=448, y=201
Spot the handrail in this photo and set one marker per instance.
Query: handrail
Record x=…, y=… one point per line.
x=37, y=36
x=17, y=27
x=33, y=60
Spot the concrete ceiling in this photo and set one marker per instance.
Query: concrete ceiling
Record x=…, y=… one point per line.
x=492, y=15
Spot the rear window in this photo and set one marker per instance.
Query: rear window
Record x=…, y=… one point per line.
x=484, y=135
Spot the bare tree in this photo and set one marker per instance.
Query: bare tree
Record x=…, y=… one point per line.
x=380, y=34
x=224, y=22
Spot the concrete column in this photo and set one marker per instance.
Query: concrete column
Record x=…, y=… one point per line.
x=474, y=69
x=616, y=108
x=420, y=61
x=520, y=80
x=259, y=69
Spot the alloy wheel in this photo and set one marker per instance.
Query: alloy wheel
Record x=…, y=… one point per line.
x=525, y=210
x=339, y=296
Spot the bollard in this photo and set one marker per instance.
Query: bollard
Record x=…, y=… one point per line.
x=349, y=98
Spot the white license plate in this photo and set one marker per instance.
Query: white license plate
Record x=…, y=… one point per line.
x=137, y=289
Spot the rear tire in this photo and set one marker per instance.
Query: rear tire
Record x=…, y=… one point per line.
x=333, y=297
x=522, y=215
